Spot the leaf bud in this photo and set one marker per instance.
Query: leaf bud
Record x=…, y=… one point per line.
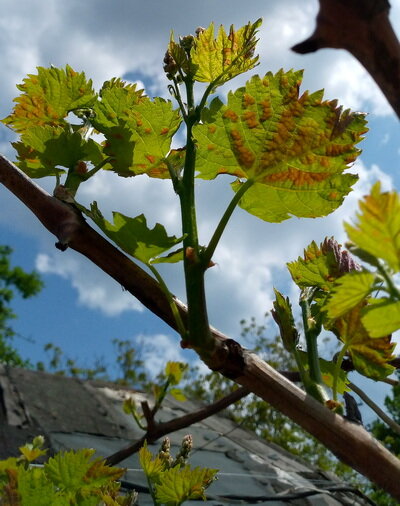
x=186, y=42
x=170, y=67
x=81, y=167
x=199, y=30
x=345, y=262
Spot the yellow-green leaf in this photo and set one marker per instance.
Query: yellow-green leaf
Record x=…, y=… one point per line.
x=152, y=467
x=133, y=235
x=294, y=148
x=48, y=97
x=138, y=130
x=221, y=58
x=182, y=484
x=348, y=291
x=377, y=229
x=318, y=268
x=177, y=394
x=174, y=371
x=381, y=317
x=370, y=356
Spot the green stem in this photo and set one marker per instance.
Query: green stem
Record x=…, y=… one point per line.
x=93, y=171
x=337, y=370
x=314, y=385
x=171, y=301
x=199, y=335
x=393, y=290
x=209, y=252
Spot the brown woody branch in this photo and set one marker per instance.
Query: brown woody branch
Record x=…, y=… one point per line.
x=156, y=430
x=363, y=28
x=349, y=442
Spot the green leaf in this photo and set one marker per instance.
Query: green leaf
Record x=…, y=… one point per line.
x=381, y=317
x=48, y=97
x=220, y=59
x=183, y=484
x=294, y=148
x=327, y=368
x=348, y=291
x=177, y=394
x=36, y=490
x=318, y=268
x=377, y=230
x=370, y=356
x=174, y=371
x=138, y=130
x=328, y=372
x=67, y=470
x=133, y=236
x=282, y=314
x=42, y=150
x=152, y=467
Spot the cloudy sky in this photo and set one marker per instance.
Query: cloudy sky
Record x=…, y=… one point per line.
x=80, y=309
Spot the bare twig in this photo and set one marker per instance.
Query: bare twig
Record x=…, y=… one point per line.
x=389, y=421
x=161, y=429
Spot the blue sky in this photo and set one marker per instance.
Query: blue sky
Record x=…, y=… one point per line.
x=80, y=309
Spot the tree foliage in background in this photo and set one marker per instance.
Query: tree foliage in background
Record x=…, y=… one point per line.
x=13, y=281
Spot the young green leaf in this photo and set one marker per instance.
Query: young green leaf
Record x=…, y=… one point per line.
x=177, y=394
x=152, y=466
x=174, y=371
x=318, y=268
x=183, y=484
x=67, y=470
x=48, y=97
x=377, y=230
x=217, y=60
x=42, y=150
x=381, y=317
x=327, y=368
x=138, y=130
x=133, y=236
x=294, y=148
x=36, y=490
x=282, y=314
x=348, y=291
x=370, y=356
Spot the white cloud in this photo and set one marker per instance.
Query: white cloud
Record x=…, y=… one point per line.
x=95, y=290
x=158, y=349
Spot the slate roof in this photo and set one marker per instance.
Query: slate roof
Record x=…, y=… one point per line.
x=73, y=414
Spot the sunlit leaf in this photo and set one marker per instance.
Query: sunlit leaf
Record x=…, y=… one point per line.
x=43, y=151
x=67, y=470
x=377, y=229
x=177, y=394
x=327, y=368
x=370, y=356
x=282, y=314
x=48, y=97
x=183, y=484
x=152, y=466
x=133, y=235
x=174, y=371
x=219, y=59
x=138, y=130
x=348, y=291
x=318, y=268
x=381, y=317
x=294, y=148
x=36, y=490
